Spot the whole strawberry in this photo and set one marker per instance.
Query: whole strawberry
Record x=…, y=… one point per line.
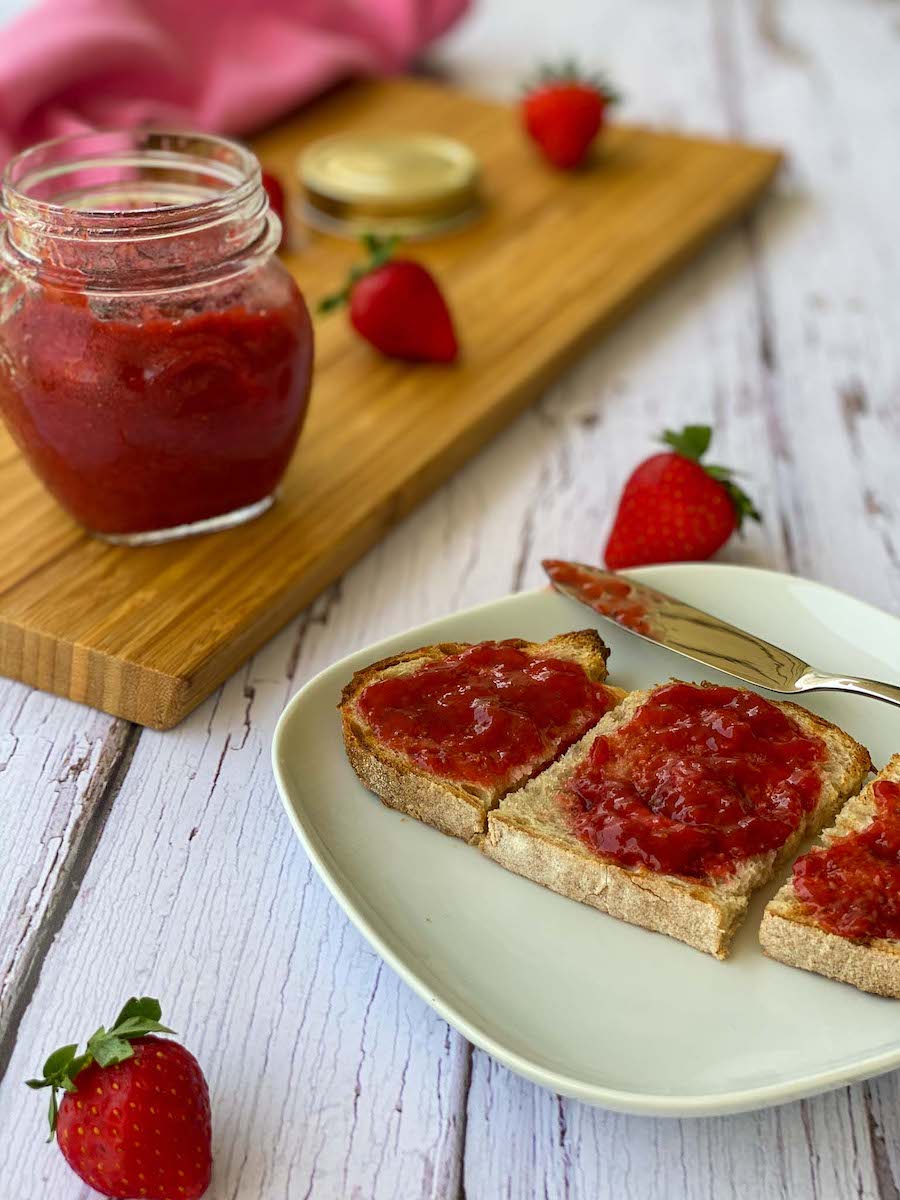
x=134, y=1120
x=675, y=508
x=397, y=307
x=563, y=112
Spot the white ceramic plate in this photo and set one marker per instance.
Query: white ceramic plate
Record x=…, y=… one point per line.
x=572, y=999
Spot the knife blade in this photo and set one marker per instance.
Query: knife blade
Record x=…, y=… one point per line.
x=700, y=636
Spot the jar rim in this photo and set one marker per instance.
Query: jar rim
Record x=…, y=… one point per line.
x=224, y=159
x=197, y=197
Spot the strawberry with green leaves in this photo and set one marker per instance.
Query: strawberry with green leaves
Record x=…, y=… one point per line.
x=396, y=305
x=564, y=111
x=675, y=508
x=134, y=1118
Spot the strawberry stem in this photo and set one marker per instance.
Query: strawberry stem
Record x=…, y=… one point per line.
x=692, y=442
x=139, y=1016
x=567, y=71
x=379, y=251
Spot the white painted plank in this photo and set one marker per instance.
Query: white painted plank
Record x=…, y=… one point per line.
x=55, y=760
x=814, y=1150
x=822, y=78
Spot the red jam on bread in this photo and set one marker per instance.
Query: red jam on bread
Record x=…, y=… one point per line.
x=488, y=716
x=613, y=598
x=700, y=779
x=852, y=887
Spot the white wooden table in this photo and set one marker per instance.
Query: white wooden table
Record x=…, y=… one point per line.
x=162, y=863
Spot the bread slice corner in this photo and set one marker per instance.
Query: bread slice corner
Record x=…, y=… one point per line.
x=791, y=936
x=455, y=808
x=529, y=834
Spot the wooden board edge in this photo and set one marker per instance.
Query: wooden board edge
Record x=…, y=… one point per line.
x=129, y=690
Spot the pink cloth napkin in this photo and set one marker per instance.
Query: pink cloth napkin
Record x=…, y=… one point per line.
x=224, y=65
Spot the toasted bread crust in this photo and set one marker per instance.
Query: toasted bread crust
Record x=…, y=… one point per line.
x=542, y=847
x=798, y=942
x=413, y=792
x=661, y=903
x=791, y=935
x=453, y=808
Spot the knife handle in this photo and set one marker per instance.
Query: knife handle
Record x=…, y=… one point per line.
x=818, y=681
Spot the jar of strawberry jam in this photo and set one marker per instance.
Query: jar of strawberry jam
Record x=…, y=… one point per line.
x=155, y=356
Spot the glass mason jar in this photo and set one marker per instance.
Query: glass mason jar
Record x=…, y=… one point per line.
x=155, y=356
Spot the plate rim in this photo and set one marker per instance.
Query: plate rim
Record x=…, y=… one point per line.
x=657, y=1104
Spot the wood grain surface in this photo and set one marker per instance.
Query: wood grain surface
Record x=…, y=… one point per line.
x=555, y=259
x=163, y=862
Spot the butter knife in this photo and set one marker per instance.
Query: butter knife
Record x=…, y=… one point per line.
x=659, y=618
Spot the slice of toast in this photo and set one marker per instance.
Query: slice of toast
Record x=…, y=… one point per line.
x=791, y=934
x=530, y=834
x=453, y=806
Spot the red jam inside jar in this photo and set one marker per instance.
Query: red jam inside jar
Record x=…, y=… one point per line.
x=155, y=357
x=852, y=887
x=490, y=716
x=700, y=778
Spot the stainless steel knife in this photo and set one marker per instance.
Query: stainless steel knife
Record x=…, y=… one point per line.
x=659, y=618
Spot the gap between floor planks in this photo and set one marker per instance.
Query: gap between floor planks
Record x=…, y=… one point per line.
x=105, y=784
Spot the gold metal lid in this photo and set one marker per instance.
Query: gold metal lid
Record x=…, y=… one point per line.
x=410, y=184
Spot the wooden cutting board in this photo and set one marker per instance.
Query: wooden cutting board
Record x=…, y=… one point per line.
x=557, y=258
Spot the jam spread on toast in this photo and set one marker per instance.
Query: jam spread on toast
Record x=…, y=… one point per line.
x=613, y=598
x=852, y=887
x=699, y=779
x=490, y=715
